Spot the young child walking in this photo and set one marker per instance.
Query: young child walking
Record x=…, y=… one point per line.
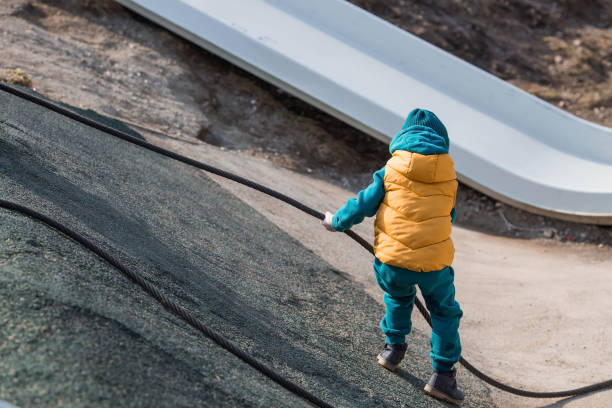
x=413, y=198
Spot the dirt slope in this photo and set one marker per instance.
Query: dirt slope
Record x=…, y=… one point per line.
x=558, y=50
x=98, y=55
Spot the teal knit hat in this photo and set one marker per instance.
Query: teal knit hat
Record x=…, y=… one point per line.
x=422, y=117
x=422, y=133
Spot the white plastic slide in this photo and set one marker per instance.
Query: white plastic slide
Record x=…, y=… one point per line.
x=369, y=73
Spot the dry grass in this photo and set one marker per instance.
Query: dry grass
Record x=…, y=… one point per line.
x=16, y=76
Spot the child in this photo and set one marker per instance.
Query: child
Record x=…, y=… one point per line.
x=413, y=198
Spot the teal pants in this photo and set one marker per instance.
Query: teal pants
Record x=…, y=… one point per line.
x=438, y=290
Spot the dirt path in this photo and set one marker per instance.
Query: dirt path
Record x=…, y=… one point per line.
x=536, y=312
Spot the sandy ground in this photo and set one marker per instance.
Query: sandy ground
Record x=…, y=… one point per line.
x=536, y=312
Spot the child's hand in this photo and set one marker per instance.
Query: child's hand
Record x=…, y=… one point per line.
x=327, y=222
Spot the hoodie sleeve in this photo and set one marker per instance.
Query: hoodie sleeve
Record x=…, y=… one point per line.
x=365, y=205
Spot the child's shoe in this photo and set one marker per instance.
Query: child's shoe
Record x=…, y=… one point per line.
x=443, y=385
x=392, y=355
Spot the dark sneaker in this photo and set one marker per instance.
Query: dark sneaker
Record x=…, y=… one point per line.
x=443, y=385
x=392, y=355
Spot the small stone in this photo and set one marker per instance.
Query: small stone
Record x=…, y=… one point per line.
x=558, y=59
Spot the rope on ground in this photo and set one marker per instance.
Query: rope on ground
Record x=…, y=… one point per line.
x=302, y=207
x=169, y=304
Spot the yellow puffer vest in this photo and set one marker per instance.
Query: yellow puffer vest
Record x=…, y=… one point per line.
x=413, y=223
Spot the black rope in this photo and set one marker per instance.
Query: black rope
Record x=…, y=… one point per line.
x=175, y=308
x=302, y=207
